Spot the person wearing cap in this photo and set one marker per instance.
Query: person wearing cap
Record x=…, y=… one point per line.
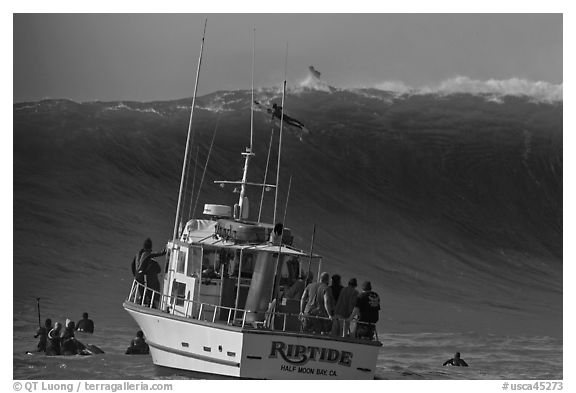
x=343, y=309
x=317, y=303
x=85, y=325
x=145, y=270
x=366, y=312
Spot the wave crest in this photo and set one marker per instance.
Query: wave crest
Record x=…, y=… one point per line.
x=538, y=91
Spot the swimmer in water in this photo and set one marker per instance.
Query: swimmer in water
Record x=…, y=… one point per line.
x=53, y=344
x=138, y=345
x=456, y=361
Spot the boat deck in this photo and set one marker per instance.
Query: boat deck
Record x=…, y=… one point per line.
x=145, y=300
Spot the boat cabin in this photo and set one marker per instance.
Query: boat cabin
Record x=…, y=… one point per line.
x=226, y=270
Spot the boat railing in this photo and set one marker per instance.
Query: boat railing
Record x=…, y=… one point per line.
x=273, y=320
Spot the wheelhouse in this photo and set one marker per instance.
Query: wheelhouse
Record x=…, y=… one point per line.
x=232, y=280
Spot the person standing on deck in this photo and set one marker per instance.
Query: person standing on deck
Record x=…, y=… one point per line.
x=276, y=234
x=316, y=302
x=297, y=289
x=336, y=287
x=145, y=269
x=343, y=309
x=366, y=312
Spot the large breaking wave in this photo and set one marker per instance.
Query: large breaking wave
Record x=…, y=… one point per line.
x=537, y=91
x=451, y=203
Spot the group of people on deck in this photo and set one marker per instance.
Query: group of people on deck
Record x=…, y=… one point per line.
x=53, y=341
x=327, y=307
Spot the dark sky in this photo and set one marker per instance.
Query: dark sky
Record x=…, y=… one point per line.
x=148, y=57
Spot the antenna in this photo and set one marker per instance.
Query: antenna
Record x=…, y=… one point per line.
x=280, y=138
x=185, y=164
x=311, y=249
x=266, y=171
x=287, y=199
x=206, y=166
x=242, y=211
x=252, y=100
x=193, y=182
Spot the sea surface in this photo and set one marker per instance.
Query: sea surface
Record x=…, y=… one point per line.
x=414, y=356
x=451, y=205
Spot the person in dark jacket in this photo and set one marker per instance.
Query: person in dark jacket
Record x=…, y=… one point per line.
x=68, y=345
x=53, y=346
x=335, y=287
x=276, y=234
x=456, y=361
x=366, y=312
x=138, y=345
x=85, y=325
x=43, y=334
x=276, y=112
x=343, y=309
x=146, y=269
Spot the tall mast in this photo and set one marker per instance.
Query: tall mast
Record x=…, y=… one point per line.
x=248, y=153
x=280, y=137
x=252, y=99
x=184, y=165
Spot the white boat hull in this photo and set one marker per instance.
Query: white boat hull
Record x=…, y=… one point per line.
x=215, y=348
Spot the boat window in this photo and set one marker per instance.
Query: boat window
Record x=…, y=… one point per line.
x=194, y=262
x=247, y=265
x=181, y=263
x=167, y=264
x=178, y=291
x=290, y=271
x=210, y=263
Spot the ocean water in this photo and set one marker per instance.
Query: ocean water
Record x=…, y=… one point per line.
x=414, y=356
x=451, y=205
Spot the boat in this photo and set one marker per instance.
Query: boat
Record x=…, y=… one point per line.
x=221, y=308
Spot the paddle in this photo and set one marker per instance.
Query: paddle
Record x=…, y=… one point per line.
x=38, y=306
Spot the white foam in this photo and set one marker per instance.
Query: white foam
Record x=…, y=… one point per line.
x=122, y=106
x=314, y=83
x=493, y=89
